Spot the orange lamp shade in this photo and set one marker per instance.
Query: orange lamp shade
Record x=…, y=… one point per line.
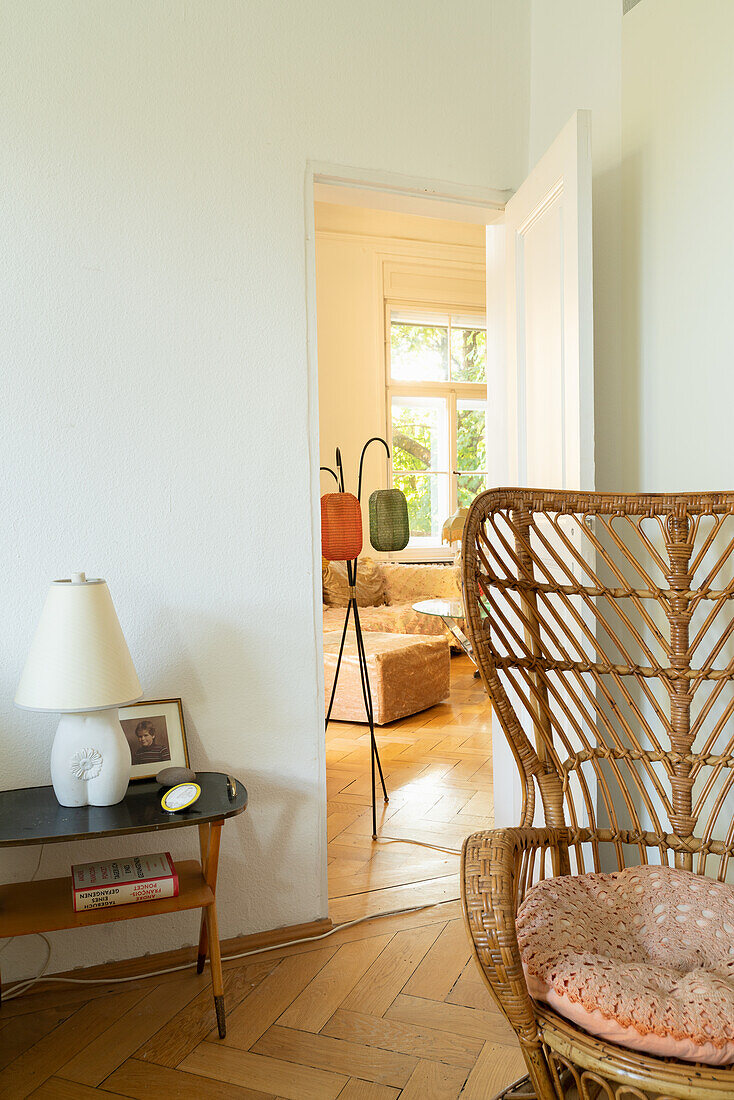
x=341, y=527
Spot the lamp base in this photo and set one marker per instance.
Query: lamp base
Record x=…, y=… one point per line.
x=90, y=759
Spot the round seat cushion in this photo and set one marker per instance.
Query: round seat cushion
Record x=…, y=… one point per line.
x=642, y=957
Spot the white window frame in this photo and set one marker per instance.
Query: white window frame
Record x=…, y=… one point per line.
x=450, y=390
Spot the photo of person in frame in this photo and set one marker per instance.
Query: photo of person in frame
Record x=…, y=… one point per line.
x=148, y=739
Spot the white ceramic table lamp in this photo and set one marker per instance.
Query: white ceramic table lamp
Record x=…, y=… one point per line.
x=79, y=664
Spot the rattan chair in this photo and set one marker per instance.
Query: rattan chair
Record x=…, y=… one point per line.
x=603, y=627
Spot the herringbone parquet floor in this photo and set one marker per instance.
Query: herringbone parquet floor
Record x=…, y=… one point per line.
x=392, y=1007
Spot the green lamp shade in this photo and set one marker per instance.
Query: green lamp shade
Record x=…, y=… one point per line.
x=389, y=525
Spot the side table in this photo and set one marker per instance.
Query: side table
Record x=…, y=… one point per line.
x=452, y=613
x=32, y=815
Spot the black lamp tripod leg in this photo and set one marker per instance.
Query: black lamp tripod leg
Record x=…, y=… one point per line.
x=374, y=754
x=365, y=681
x=370, y=713
x=370, y=717
x=366, y=692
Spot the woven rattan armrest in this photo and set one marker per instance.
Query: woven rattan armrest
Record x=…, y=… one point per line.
x=498, y=867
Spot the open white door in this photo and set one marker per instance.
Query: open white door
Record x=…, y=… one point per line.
x=540, y=350
x=539, y=307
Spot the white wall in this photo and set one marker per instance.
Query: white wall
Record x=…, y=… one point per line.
x=575, y=61
x=678, y=92
x=156, y=424
x=660, y=85
x=363, y=258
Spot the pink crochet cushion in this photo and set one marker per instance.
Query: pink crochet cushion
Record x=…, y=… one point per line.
x=643, y=957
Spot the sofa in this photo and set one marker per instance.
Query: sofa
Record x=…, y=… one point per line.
x=386, y=592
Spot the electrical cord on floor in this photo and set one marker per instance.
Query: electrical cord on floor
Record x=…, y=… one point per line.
x=24, y=985
x=420, y=843
x=18, y=988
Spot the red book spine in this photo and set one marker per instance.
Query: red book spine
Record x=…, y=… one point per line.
x=174, y=873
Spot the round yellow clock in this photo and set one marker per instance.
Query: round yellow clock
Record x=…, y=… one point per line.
x=180, y=797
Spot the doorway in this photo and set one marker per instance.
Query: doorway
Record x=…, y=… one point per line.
x=539, y=360
x=400, y=293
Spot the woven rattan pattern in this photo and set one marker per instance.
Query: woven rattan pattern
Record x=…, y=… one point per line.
x=603, y=627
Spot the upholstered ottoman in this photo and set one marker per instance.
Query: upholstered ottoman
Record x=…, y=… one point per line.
x=407, y=673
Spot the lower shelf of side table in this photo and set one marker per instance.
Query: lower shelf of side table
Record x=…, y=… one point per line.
x=46, y=905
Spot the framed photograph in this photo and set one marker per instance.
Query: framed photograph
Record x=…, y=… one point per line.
x=155, y=732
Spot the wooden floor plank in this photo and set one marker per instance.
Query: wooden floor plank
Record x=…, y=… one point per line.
x=421, y=1042
x=435, y=1080
x=337, y=821
x=452, y=1018
x=142, y=1080
x=383, y=981
x=448, y=807
x=438, y=914
x=22, y=1032
x=470, y=990
x=384, y=1067
x=366, y=1090
x=44, y=1058
x=273, y=995
x=421, y=869
x=57, y=1088
x=495, y=1068
x=122, y=1038
x=286, y=1079
x=326, y=991
x=60, y=997
x=171, y=1043
x=395, y=897
x=443, y=965
x=431, y=832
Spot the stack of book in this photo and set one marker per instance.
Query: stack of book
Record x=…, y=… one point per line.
x=122, y=881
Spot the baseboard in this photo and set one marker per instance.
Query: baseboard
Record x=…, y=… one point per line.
x=144, y=964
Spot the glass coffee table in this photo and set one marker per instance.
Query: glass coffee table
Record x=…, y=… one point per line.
x=452, y=613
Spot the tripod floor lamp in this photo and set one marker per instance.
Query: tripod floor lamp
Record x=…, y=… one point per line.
x=341, y=540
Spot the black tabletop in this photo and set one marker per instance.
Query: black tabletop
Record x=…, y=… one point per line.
x=32, y=815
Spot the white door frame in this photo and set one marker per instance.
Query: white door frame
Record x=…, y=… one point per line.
x=559, y=187
x=561, y=178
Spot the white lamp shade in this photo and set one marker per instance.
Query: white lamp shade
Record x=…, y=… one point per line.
x=79, y=659
x=453, y=527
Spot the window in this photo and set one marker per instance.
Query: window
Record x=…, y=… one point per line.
x=437, y=405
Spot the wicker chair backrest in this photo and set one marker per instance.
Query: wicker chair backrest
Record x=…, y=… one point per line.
x=603, y=626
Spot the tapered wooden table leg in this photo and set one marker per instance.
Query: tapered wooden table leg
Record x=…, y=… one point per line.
x=203, y=932
x=212, y=929
x=216, y=961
